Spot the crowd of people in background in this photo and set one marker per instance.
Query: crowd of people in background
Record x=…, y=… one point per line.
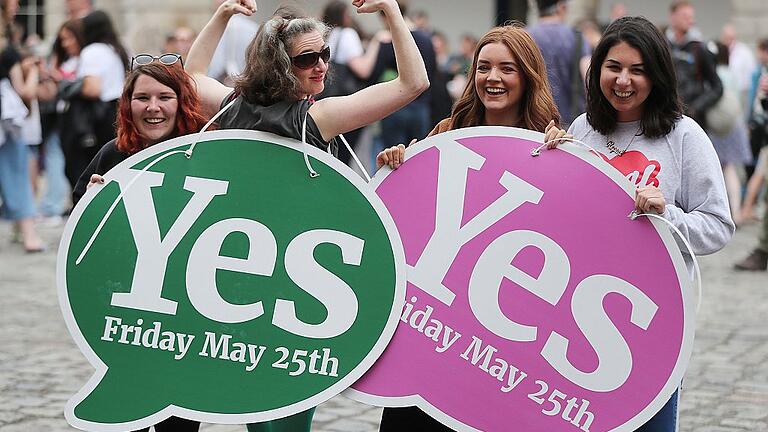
x=77, y=82
x=89, y=102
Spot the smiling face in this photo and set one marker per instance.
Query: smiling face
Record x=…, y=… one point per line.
x=499, y=83
x=153, y=109
x=69, y=42
x=624, y=82
x=311, y=81
x=683, y=18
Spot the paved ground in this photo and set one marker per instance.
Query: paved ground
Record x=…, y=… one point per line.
x=726, y=387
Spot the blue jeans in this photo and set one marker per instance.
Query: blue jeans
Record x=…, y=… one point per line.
x=15, y=186
x=411, y=121
x=57, y=185
x=666, y=419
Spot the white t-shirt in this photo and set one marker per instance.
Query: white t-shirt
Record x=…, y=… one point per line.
x=345, y=44
x=229, y=58
x=101, y=60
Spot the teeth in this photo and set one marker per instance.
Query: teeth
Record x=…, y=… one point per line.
x=154, y=120
x=621, y=94
x=495, y=90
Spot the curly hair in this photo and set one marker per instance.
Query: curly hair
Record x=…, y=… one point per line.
x=662, y=108
x=268, y=77
x=189, y=118
x=536, y=105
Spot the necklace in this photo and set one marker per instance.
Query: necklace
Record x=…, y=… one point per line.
x=613, y=148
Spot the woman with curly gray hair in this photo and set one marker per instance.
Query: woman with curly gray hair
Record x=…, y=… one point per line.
x=287, y=63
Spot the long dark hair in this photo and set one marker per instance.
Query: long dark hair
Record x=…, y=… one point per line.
x=662, y=109
x=75, y=26
x=537, y=107
x=333, y=14
x=97, y=27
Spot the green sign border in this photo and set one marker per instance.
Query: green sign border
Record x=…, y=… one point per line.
x=183, y=143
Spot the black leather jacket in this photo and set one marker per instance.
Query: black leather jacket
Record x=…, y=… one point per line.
x=698, y=85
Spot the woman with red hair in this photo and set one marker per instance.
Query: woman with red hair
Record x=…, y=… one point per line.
x=159, y=102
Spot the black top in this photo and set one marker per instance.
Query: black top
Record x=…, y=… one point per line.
x=282, y=118
x=386, y=60
x=8, y=58
x=107, y=158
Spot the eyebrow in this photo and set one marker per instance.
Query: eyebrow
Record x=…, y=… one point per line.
x=618, y=63
x=513, y=63
x=143, y=93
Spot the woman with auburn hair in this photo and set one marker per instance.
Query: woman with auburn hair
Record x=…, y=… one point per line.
x=507, y=85
x=159, y=102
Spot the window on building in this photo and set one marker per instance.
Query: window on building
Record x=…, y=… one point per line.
x=29, y=19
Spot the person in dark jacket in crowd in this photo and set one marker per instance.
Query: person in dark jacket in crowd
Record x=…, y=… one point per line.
x=697, y=82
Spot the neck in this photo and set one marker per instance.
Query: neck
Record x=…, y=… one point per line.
x=549, y=19
x=502, y=118
x=626, y=117
x=679, y=35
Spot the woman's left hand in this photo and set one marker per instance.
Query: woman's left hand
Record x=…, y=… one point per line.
x=554, y=136
x=650, y=199
x=392, y=156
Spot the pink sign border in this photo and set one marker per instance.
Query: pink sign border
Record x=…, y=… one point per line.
x=577, y=150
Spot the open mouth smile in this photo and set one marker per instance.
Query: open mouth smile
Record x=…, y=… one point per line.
x=495, y=91
x=623, y=94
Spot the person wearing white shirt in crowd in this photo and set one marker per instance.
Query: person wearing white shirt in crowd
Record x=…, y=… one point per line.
x=102, y=65
x=229, y=58
x=741, y=61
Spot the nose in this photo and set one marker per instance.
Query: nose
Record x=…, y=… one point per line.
x=153, y=104
x=623, y=78
x=493, y=75
x=322, y=65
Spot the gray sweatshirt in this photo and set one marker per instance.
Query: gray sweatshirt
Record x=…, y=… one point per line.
x=684, y=165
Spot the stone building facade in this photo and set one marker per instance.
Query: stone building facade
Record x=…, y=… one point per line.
x=144, y=23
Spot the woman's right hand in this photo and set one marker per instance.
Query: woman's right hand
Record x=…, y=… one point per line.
x=95, y=178
x=393, y=156
x=232, y=7
x=373, y=6
x=554, y=136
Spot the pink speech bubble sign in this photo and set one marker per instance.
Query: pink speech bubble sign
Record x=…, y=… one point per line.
x=582, y=210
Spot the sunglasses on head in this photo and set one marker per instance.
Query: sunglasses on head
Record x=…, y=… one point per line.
x=166, y=59
x=309, y=60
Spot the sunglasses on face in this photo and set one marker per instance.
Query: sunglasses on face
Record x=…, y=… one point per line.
x=166, y=59
x=309, y=60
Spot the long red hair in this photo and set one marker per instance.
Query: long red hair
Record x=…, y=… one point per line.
x=189, y=118
x=537, y=106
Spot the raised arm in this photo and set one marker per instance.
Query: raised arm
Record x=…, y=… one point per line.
x=212, y=92
x=378, y=101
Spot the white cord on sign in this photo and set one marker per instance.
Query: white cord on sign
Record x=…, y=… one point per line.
x=696, y=269
x=537, y=151
x=117, y=200
x=188, y=153
x=357, y=161
x=312, y=172
x=191, y=149
x=634, y=215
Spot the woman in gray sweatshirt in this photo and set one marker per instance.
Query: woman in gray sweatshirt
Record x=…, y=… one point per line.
x=634, y=120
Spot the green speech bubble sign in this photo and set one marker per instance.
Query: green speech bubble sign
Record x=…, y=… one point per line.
x=228, y=287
